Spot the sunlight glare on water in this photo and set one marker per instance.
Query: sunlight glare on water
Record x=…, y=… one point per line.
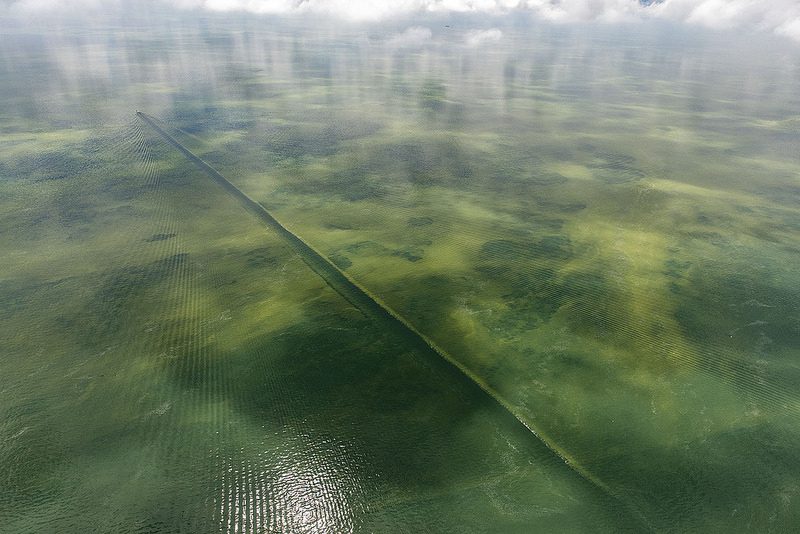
x=307, y=494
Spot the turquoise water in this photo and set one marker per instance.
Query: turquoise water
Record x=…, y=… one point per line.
x=598, y=226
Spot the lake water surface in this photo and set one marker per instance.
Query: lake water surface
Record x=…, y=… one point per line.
x=600, y=227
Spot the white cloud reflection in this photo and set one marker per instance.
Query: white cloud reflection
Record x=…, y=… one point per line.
x=412, y=37
x=479, y=37
x=781, y=17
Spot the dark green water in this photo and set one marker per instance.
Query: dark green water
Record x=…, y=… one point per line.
x=600, y=225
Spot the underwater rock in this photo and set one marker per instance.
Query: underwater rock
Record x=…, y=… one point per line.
x=419, y=221
x=159, y=237
x=340, y=260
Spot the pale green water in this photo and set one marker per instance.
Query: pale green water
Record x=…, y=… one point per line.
x=600, y=225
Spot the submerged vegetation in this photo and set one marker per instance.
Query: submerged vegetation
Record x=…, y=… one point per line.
x=604, y=241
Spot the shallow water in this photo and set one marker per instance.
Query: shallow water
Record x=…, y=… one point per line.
x=599, y=226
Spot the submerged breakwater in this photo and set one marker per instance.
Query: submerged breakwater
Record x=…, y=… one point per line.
x=373, y=307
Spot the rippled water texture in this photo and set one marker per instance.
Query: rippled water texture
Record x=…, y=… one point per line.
x=598, y=227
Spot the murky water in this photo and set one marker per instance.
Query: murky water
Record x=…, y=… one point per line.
x=599, y=227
